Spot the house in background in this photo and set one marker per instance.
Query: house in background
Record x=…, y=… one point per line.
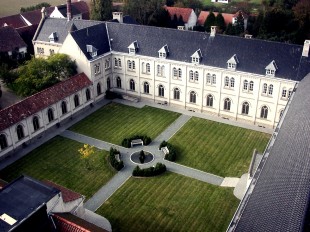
x=188, y=15
x=79, y=10
x=221, y=1
x=12, y=46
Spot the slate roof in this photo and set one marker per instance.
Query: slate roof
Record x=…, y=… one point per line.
x=63, y=10
x=67, y=194
x=20, y=198
x=10, y=39
x=280, y=198
x=204, y=14
x=179, y=11
x=62, y=27
x=96, y=36
x=39, y=101
x=253, y=54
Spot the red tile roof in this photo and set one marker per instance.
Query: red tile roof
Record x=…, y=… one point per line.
x=39, y=101
x=10, y=39
x=204, y=14
x=15, y=21
x=67, y=194
x=178, y=11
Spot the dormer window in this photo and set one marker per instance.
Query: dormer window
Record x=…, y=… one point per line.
x=91, y=50
x=271, y=68
x=163, y=52
x=133, y=48
x=53, y=37
x=232, y=62
x=196, y=57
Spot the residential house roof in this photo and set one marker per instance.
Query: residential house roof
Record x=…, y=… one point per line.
x=10, y=40
x=279, y=199
x=253, y=54
x=15, y=21
x=67, y=194
x=63, y=10
x=2, y=183
x=204, y=15
x=39, y=101
x=20, y=198
x=179, y=11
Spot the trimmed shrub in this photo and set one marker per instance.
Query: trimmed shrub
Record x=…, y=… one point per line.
x=163, y=144
x=118, y=165
x=142, y=157
x=112, y=95
x=151, y=171
x=127, y=141
x=172, y=155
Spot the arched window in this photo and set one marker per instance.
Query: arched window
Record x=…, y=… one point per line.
x=35, y=123
x=132, y=85
x=192, y=97
x=213, y=79
x=191, y=75
x=118, y=82
x=64, y=107
x=3, y=142
x=161, y=91
x=76, y=101
x=227, y=104
x=50, y=114
x=176, y=94
x=251, y=87
x=180, y=73
x=175, y=72
x=119, y=62
x=270, y=91
x=232, y=82
x=208, y=78
x=115, y=62
x=158, y=70
x=146, y=87
x=196, y=76
x=129, y=64
x=226, y=81
x=20, y=132
x=284, y=92
x=108, y=83
x=264, y=112
x=163, y=70
x=245, y=85
x=133, y=65
x=148, y=68
x=245, y=108
x=87, y=92
x=98, y=89
x=265, y=88
x=210, y=100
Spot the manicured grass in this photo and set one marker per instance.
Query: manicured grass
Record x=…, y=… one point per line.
x=217, y=148
x=114, y=122
x=58, y=160
x=169, y=202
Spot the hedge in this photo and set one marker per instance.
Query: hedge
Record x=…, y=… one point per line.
x=151, y=171
x=113, y=161
x=172, y=155
x=127, y=141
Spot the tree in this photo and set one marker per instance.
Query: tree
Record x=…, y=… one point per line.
x=220, y=22
x=239, y=25
x=160, y=18
x=210, y=21
x=86, y=151
x=8, y=76
x=169, y=2
x=38, y=73
x=101, y=10
x=36, y=7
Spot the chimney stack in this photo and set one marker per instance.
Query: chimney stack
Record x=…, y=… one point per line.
x=305, y=50
x=69, y=16
x=181, y=28
x=247, y=36
x=118, y=16
x=213, y=31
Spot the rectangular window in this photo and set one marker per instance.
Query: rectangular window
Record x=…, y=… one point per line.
x=97, y=68
x=107, y=64
x=284, y=93
x=40, y=50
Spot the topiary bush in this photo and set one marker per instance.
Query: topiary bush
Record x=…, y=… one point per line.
x=118, y=165
x=142, y=157
x=127, y=141
x=151, y=171
x=172, y=155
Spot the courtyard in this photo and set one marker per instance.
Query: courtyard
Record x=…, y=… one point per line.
x=170, y=202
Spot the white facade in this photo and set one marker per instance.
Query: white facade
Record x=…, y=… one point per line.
x=192, y=20
x=57, y=14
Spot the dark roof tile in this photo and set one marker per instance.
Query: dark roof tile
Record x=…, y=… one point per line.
x=10, y=39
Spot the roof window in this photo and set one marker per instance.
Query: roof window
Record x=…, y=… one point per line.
x=92, y=50
x=196, y=57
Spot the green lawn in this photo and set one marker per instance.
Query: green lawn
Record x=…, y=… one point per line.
x=217, y=148
x=114, y=122
x=169, y=202
x=58, y=160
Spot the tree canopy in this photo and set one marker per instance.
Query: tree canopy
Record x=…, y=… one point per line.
x=36, y=7
x=101, y=10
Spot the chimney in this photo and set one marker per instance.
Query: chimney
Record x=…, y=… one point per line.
x=247, y=36
x=305, y=50
x=43, y=13
x=213, y=31
x=181, y=28
x=118, y=16
x=69, y=16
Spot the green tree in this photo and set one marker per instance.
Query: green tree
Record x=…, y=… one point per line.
x=160, y=18
x=86, y=151
x=239, y=25
x=220, y=22
x=210, y=21
x=38, y=73
x=36, y=7
x=8, y=76
x=101, y=10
